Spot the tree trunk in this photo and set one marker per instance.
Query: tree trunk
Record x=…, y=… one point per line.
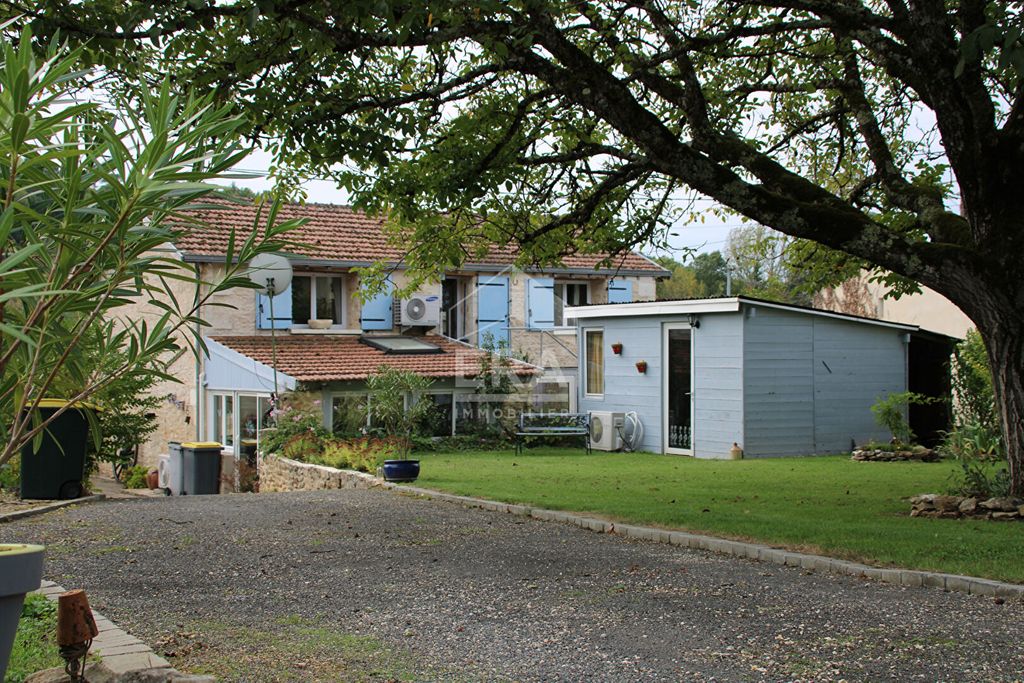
x=1002, y=328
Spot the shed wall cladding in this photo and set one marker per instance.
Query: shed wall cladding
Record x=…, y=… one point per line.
x=626, y=389
x=717, y=384
x=717, y=379
x=810, y=381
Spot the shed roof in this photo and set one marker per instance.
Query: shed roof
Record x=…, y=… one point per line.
x=717, y=305
x=340, y=236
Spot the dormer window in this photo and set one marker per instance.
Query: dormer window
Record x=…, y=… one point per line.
x=319, y=297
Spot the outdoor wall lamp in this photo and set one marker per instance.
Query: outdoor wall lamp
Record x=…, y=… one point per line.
x=694, y=321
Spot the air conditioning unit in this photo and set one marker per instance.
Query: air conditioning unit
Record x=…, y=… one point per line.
x=422, y=309
x=604, y=430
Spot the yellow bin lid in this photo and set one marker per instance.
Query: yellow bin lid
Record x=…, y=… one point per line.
x=201, y=444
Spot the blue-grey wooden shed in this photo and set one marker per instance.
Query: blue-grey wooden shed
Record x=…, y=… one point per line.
x=774, y=378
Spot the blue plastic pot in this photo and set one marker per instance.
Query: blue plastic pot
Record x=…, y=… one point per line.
x=401, y=470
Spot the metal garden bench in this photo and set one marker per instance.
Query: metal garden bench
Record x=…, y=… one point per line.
x=552, y=424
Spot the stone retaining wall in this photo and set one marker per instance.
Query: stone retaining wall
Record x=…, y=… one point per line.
x=282, y=474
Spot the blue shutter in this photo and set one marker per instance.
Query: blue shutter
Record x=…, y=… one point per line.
x=540, y=302
x=378, y=313
x=282, y=319
x=492, y=309
x=620, y=291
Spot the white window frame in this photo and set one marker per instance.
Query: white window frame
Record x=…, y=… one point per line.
x=313, y=275
x=560, y=295
x=584, y=370
x=236, y=425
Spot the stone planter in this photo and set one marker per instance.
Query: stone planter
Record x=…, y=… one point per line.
x=21, y=570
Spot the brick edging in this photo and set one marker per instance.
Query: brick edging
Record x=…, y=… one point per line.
x=902, y=577
x=120, y=651
x=42, y=509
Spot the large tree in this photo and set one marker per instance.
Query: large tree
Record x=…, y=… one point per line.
x=855, y=124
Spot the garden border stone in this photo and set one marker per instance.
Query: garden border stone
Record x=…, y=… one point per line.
x=50, y=507
x=911, y=578
x=121, y=652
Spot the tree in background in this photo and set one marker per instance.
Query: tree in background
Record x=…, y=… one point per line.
x=571, y=127
x=89, y=196
x=682, y=284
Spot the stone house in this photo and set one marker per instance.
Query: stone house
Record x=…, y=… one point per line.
x=224, y=395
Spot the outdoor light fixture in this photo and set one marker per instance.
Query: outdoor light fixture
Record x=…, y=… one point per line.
x=694, y=321
x=76, y=628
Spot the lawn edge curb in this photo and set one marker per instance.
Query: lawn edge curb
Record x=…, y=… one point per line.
x=121, y=652
x=43, y=509
x=912, y=578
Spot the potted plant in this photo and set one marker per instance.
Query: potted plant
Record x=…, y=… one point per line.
x=641, y=367
x=21, y=570
x=397, y=405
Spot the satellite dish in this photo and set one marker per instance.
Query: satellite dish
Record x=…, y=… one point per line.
x=272, y=273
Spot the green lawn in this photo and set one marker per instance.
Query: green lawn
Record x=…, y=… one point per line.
x=828, y=505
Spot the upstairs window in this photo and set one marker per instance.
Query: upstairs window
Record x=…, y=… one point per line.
x=317, y=296
x=569, y=294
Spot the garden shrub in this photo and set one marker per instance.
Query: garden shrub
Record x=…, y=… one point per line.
x=303, y=446
x=891, y=413
x=135, y=477
x=10, y=475
x=363, y=454
x=299, y=416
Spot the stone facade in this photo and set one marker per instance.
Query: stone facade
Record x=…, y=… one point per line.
x=282, y=474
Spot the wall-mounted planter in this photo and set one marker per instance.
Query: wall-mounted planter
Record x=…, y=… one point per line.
x=21, y=570
x=641, y=367
x=617, y=349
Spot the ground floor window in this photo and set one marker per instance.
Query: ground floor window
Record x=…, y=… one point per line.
x=440, y=420
x=350, y=414
x=553, y=396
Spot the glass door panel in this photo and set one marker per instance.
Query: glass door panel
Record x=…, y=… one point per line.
x=680, y=390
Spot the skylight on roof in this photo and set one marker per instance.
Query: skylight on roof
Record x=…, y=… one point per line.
x=400, y=345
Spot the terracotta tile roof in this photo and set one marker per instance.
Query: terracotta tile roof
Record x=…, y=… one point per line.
x=339, y=233
x=334, y=358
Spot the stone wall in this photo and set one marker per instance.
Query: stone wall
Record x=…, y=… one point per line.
x=953, y=507
x=282, y=474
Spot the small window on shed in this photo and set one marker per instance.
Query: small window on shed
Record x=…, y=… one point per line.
x=594, y=362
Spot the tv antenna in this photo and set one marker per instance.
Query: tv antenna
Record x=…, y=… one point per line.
x=272, y=275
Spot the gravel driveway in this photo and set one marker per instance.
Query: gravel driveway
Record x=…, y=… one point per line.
x=372, y=585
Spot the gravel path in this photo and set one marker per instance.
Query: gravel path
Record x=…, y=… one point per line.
x=372, y=585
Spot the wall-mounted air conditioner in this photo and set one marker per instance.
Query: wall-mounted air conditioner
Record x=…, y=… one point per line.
x=604, y=430
x=422, y=309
